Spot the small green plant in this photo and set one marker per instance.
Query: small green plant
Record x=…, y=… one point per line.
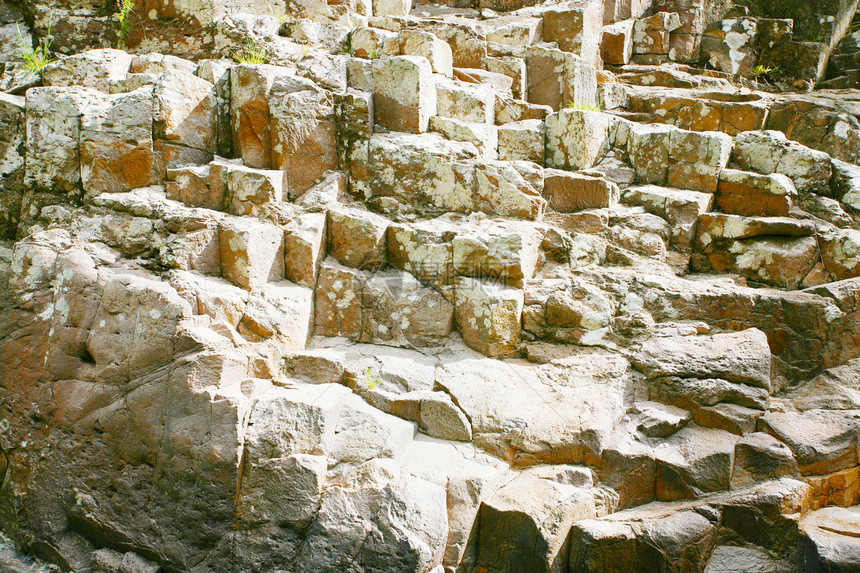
x=370, y=379
x=35, y=59
x=125, y=8
x=252, y=53
x=584, y=107
x=762, y=70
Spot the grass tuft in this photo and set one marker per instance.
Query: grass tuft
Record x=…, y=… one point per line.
x=35, y=59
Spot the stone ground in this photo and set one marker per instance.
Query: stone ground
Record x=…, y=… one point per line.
x=373, y=287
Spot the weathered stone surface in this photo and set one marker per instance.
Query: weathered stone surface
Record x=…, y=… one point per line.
x=576, y=139
x=616, y=44
x=566, y=192
x=304, y=248
x=542, y=415
x=726, y=558
x=405, y=96
x=559, y=79
x=465, y=101
x=53, y=132
x=484, y=136
x=506, y=251
x=822, y=441
x=171, y=402
x=13, y=129
x=524, y=525
x=828, y=540
x=488, y=315
x=576, y=30
x=426, y=45
x=659, y=420
x=252, y=252
x=743, y=193
x=681, y=208
x=94, y=69
x=522, y=141
x=347, y=532
x=692, y=462
x=760, y=457
x=742, y=357
x=250, y=191
x=357, y=238
x=303, y=134
x=186, y=112
x=770, y=152
x=116, y=144
x=281, y=310
x=431, y=175
x=840, y=252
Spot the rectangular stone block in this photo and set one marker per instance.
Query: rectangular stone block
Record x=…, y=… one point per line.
x=252, y=252
x=575, y=30
x=567, y=192
x=464, y=101
x=404, y=93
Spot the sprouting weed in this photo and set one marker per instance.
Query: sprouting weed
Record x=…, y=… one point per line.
x=124, y=11
x=762, y=70
x=584, y=107
x=370, y=379
x=35, y=59
x=252, y=53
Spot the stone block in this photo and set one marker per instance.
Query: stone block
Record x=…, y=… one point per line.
x=522, y=141
x=465, y=101
x=488, y=315
x=566, y=192
x=576, y=139
x=252, y=252
x=404, y=93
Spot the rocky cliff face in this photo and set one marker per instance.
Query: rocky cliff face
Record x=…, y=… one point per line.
x=373, y=287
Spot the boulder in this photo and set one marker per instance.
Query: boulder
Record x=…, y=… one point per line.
x=303, y=134
x=281, y=310
x=840, y=252
x=616, y=44
x=116, y=147
x=250, y=191
x=680, y=208
x=464, y=101
x=522, y=141
x=348, y=531
x=357, y=238
x=822, y=441
x=506, y=251
x=186, y=116
x=660, y=420
x=426, y=45
x=576, y=29
x=304, y=248
x=559, y=79
x=483, y=135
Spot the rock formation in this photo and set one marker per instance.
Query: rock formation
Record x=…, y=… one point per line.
x=486, y=287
